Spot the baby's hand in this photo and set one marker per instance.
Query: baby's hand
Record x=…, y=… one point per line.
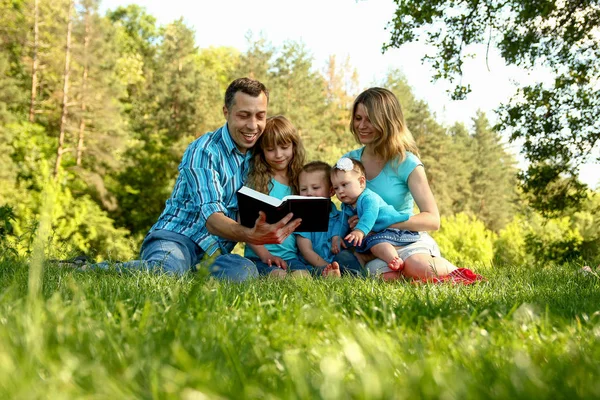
x=335, y=244
x=355, y=237
x=353, y=221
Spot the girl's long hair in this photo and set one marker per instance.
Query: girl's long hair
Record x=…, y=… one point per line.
x=278, y=131
x=385, y=113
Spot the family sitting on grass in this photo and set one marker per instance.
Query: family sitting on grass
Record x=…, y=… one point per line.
x=376, y=233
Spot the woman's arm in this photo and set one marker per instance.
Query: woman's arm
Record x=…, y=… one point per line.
x=428, y=219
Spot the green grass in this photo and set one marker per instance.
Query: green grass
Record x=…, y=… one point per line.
x=524, y=334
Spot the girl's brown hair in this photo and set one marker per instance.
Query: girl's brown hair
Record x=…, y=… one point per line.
x=278, y=131
x=385, y=113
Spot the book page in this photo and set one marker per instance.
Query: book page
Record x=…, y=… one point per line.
x=260, y=196
x=294, y=196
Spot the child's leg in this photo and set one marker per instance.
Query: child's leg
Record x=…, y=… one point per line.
x=388, y=253
x=298, y=269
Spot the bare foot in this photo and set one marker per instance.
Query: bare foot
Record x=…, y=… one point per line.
x=301, y=273
x=332, y=270
x=397, y=264
x=278, y=274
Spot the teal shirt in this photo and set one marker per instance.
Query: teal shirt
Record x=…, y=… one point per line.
x=392, y=182
x=321, y=241
x=288, y=249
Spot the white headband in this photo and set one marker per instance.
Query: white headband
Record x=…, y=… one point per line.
x=344, y=164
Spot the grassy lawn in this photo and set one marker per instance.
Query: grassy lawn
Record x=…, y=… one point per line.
x=526, y=333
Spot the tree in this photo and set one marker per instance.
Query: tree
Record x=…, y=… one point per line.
x=65, y=95
x=557, y=122
x=493, y=177
x=298, y=91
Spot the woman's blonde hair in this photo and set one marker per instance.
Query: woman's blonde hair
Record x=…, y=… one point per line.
x=278, y=131
x=386, y=116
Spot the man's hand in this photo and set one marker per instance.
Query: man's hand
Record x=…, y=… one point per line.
x=264, y=233
x=335, y=244
x=355, y=237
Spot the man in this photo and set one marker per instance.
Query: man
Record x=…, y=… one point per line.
x=198, y=224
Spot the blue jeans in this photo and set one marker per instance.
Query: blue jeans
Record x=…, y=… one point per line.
x=176, y=254
x=349, y=264
x=293, y=265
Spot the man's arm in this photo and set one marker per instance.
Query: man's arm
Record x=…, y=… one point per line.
x=262, y=232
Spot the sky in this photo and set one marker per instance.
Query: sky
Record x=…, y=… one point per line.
x=354, y=29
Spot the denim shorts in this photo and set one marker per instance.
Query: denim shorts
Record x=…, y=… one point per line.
x=395, y=237
x=425, y=245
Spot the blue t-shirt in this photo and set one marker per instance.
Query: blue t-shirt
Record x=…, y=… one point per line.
x=392, y=182
x=288, y=249
x=321, y=241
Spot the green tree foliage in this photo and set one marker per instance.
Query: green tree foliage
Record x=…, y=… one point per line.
x=510, y=247
x=139, y=93
x=556, y=121
x=534, y=239
x=493, y=178
x=464, y=240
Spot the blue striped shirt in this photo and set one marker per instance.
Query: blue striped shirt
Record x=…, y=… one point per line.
x=211, y=172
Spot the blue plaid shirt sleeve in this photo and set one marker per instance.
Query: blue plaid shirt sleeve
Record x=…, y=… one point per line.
x=201, y=174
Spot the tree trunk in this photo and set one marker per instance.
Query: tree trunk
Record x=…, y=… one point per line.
x=63, y=118
x=86, y=42
x=35, y=61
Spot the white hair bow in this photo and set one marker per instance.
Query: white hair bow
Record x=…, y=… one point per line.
x=344, y=164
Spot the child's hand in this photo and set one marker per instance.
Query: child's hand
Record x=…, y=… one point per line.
x=277, y=261
x=355, y=237
x=335, y=244
x=353, y=221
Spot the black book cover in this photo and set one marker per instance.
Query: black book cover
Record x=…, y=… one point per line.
x=314, y=211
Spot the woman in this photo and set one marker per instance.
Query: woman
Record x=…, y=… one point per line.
x=394, y=171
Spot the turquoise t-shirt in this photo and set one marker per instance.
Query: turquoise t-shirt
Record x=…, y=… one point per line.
x=392, y=182
x=321, y=241
x=288, y=249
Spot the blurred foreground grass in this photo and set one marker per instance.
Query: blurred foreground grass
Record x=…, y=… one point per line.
x=523, y=334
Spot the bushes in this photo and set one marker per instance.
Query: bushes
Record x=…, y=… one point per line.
x=464, y=240
x=527, y=239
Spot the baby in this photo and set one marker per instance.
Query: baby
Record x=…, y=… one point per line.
x=375, y=215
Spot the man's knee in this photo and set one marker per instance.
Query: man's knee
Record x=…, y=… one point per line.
x=233, y=267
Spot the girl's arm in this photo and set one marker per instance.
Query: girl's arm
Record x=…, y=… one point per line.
x=306, y=249
x=266, y=256
x=428, y=219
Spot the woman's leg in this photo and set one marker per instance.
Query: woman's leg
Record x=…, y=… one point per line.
x=424, y=266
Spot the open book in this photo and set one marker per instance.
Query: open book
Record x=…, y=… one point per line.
x=314, y=211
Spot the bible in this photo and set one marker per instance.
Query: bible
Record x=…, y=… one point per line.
x=314, y=211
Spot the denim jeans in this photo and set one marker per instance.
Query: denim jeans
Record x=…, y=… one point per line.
x=349, y=264
x=293, y=265
x=176, y=254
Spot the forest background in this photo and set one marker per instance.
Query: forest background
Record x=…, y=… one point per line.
x=96, y=111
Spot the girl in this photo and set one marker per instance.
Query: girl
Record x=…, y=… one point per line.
x=277, y=161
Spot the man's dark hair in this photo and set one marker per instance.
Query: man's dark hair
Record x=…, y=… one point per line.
x=249, y=86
